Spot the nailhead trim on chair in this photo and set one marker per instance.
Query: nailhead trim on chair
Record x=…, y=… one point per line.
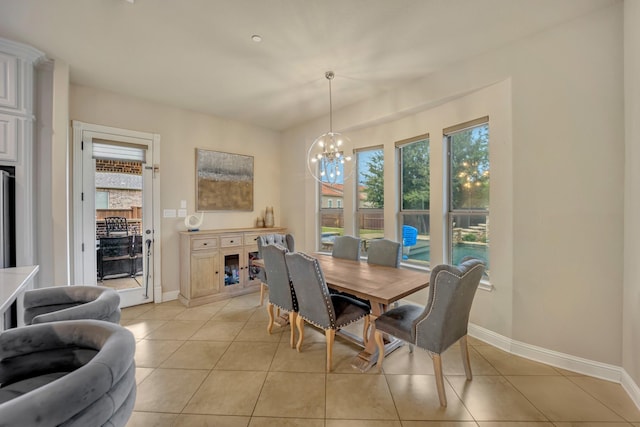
x=327, y=298
x=435, y=292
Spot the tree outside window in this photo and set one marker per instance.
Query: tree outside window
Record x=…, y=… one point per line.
x=370, y=194
x=415, y=199
x=469, y=178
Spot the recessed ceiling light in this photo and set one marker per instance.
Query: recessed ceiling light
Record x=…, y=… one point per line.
x=256, y=38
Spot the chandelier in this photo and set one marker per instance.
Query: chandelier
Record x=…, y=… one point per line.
x=329, y=157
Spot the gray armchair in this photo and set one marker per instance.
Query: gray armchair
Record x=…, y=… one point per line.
x=317, y=306
x=73, y=373
x=71, y=303
x=439, y=324
x=281, y=293
x=384, y=252
x=347, y=247
x=285, y=240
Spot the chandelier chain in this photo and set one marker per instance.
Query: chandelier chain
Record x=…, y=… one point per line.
x=329, y=75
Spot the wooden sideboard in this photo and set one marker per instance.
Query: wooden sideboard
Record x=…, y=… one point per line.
x=216, y=264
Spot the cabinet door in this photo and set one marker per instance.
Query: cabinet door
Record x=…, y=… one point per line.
x=232, y=266
x=9, y=137
x=251, y=271
x=205, y=274
x=8, y=81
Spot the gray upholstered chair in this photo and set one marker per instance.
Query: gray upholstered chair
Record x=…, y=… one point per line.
x=439, y=324
x=73, y=373
x=281, y=293
x=346, y=247
x=317, y=306
x=384, y=252
x=285, y=240
x=71, y=303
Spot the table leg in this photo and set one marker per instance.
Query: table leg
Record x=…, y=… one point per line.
x=369, y=356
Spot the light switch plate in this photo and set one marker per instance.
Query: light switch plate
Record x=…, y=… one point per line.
x=182, y=213
x=183, y=204
x=169, y=213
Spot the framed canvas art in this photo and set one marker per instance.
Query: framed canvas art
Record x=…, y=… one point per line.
x=224, y=181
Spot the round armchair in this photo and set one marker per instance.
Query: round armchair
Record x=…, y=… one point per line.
x=71, y=303
x=72, y=373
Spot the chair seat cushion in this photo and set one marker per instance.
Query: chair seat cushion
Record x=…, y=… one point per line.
x=348, y=310
x=19, y=388
x=399, y=321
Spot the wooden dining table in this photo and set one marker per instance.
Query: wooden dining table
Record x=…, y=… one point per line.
x=380, y=285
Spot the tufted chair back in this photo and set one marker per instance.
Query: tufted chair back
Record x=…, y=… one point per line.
x=446, y=315
x=347, y=247
x=384, y=252
x=285, y=240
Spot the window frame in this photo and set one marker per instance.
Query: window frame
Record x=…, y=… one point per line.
x=447, y=137
x=361, y=210
x=402, y=212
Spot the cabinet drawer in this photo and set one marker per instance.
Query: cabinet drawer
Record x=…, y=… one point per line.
x=251, y=238
x=230, y=241
x=204, y=243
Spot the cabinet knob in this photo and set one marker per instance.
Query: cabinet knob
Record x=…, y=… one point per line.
x=216, y=272
x=204, y=244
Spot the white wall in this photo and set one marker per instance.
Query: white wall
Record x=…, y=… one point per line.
x=181, y=132
x=561, y=288
x=631, y=314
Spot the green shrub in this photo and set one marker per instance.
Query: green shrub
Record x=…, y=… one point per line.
x=469, y=237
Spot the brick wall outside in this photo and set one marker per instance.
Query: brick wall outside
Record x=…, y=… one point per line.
x=119, y=166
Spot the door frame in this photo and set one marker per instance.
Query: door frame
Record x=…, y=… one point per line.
x=80, y=229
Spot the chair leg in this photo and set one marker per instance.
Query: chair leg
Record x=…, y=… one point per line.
x=270, y=313
x=437, y=369
x=365, y=332
x=293, y=317
x=263, y=288
x=465, y=357
x=330, y=334
x=411, y=348
x=380, y=342
x=300, y=326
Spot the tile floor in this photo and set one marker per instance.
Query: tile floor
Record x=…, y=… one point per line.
x=216, y=365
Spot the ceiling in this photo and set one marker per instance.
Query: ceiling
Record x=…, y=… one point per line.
x=198, y=54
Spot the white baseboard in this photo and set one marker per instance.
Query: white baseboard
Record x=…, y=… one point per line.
x=169, y=296
x=630, y=387
x=560, y=360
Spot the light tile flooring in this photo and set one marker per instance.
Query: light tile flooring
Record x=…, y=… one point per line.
x=216, y=365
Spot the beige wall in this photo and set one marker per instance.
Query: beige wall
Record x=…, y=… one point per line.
x=558, y=273
x=631, y=314
x=181, y=131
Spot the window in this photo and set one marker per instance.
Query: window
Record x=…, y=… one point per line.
x=413, y=157
x=331, y=218
x=102, y=199
x=468, y=191
x=370, y=194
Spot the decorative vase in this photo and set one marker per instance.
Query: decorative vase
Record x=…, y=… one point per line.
x=260, y=222
x=268, y=217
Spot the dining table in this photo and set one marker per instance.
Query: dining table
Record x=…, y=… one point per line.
x=378, y=284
